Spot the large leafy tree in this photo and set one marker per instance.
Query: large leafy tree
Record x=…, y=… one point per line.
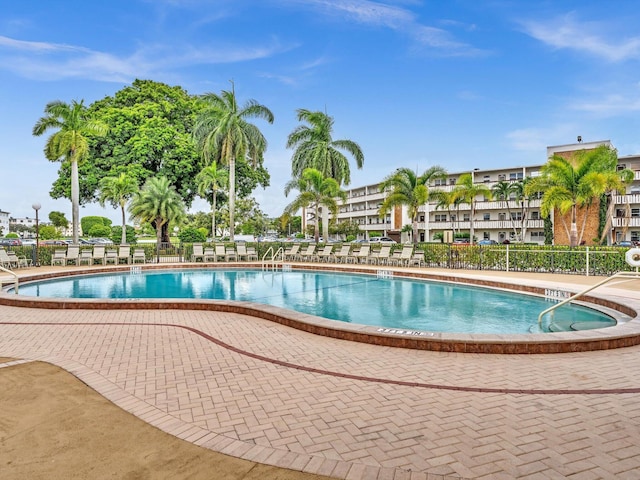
x=314, y=147
x=158, y=203
x=447, y=200
x=149, y=134
x=69, y=144
x=468, y=191
x=210, y=180
x=224, y=134
x=315, y=190
x=406, y=187
x=117, y=191
x=578, y=182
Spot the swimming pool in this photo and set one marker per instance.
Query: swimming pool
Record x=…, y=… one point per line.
x=353, y=298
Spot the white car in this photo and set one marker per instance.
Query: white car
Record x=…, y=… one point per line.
x=381, y=240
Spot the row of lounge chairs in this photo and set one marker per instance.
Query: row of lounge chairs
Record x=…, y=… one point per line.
x=75, y=255
x=220, y=253
x=353, y=254
x=9, y=259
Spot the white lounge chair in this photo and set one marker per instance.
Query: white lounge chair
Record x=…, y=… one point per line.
x=342, y=254
x=292, y=253
x=198, y=252
x=86, y=256
x=363, y=254
x=219, y=253
x=59, y=257
x=98, y=254
x=209, y=255
x=111, y=256
x=325, y=254
x=308, y=254
x=73, y=254
x=124, y=253
x=139, y=256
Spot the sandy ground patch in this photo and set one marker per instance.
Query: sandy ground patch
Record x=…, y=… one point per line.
x=54, y=426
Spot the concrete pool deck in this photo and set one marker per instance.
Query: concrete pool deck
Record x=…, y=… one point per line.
x=268, y=393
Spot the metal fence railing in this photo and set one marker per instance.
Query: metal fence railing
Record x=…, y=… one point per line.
x=580, y=260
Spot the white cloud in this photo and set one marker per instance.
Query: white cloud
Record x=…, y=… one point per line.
x=50, y=61
x=396, y=18
x=589, y=37
x=609, y=105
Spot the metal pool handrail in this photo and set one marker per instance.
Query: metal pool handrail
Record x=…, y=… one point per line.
x=625, y=275
x=280, y=252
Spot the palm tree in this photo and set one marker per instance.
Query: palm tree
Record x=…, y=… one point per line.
x=157, y=203
x=223, y=134
x=117, y=191
x=569, y=184
x=445, y=200
x=467, y=190
x=214, y=179
x=503, y=191
x=409, y=189
x=315, y=190
x=69, y=143
x=315, y=148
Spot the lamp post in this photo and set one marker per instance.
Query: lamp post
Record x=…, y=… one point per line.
x=36, y=206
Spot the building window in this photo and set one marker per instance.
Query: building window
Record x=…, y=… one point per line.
x=485, y=236
x=516, y=215
x=487, y=179
x=635, y=236
x=502, y=216
x=452, y=181
x=439, y=182
x=535, y=215
x=440, y=218
x=537, y=236
x=465, y=217
x=622, y=166
x=453, y=217
x=502, y=177
x=486, y=217
x=421, y=219
x=635, y=212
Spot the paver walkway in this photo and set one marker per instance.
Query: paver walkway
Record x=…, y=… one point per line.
x=268, y=393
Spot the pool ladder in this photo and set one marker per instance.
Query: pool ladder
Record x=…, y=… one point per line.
x=625, y=276
x=15, y=279
x=271, y=262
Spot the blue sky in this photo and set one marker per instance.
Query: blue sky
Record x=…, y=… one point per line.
x=460, y=83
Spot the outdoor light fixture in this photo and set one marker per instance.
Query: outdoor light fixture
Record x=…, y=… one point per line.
x=36, y=206
x=579, y=139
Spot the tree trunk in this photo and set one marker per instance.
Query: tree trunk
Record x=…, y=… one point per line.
x=232, y=196
x=573, y=233
x=213, y=216
x=123, y=237
x=471, y=229
x=75, y=200
x=325, y=224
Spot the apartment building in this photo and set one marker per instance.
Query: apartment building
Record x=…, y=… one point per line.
x=363, y=207
x=494, y=219
x=4, y=223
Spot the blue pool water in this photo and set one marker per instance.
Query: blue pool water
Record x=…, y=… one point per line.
x=362, y=299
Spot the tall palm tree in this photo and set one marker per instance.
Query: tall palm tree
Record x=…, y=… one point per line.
x=117, y=191
x=315, y=190
x=503, y=191
x=211, y=178
x=569, y=184
x=69, y=143
x=409, y=189
x=314, y=147
x=157, y=203
x=223, y=134
x=445, y=200
x=468, y=190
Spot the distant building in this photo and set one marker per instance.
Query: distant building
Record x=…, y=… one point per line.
x=4, y=223
x=498, y=220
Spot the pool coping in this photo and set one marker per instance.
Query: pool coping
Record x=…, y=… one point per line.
x=622, y=335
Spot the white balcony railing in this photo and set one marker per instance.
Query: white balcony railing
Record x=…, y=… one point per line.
x=624, y=199
x=626, y=222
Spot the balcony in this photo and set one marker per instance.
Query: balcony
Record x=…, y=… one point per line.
x=624, y=199
x=481, y=225
x=626, y=222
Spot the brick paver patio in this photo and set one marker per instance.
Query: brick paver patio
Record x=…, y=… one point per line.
x=271, y=394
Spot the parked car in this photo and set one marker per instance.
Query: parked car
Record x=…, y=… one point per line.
x=99, y=241
x=10, y=242
x=381, y=240
x=625, y=243
x=52, y=243
x=487, y=242
x=28, y=242
x=461, y=241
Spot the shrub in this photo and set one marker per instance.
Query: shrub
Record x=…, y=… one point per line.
x=191, y=235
